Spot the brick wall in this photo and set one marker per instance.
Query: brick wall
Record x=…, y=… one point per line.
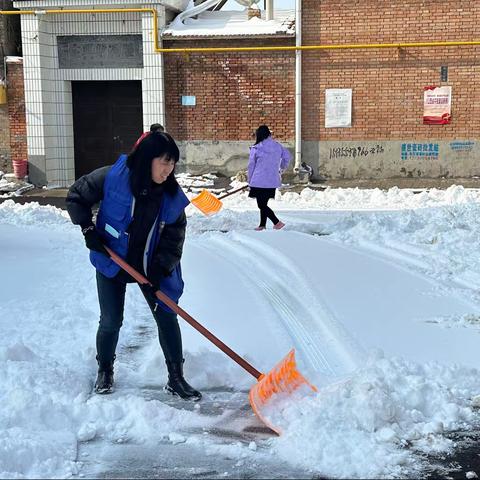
x=235, y=92
x=388, y=83
x=9, y=45
x=16, y=112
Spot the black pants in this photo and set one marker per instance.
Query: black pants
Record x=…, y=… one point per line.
x=111, y=296
x=266, y=212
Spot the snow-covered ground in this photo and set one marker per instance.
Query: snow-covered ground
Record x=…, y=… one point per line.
x=377, y=291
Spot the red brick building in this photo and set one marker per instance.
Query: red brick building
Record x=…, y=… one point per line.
x=387, y=89
x=388, y=85
x=214, y=101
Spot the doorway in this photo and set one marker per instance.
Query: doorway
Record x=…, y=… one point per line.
x=107, y=120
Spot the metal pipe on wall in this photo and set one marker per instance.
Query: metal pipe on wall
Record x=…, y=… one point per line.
x=269, y=10
x=298, y=86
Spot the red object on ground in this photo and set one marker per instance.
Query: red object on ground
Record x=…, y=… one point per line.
x=20, y=168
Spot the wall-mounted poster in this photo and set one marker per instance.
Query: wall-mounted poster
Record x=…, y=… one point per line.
x=437, y=105
x=338, y=107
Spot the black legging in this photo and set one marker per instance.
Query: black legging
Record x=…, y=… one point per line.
x=266, y=212
x=111, y=296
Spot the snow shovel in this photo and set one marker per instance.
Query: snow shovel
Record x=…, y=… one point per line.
x=209, y=204
x=282, y=380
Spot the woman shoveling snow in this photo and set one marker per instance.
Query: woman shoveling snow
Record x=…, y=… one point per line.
x=141, y=218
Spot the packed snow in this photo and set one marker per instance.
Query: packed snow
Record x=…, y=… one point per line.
x=231, y=23
x=376, y=290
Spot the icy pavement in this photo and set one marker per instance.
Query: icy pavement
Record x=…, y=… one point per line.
x=382, y=312
x=222, y=451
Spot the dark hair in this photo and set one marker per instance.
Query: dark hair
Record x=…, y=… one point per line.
x=262, y=133
x=156, y=127
x=157, y=144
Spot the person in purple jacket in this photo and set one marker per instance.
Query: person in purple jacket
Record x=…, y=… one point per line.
x=267, y=161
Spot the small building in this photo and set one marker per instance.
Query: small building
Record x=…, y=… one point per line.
x=93, y=83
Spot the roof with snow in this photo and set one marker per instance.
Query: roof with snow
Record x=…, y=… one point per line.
x=232, y=24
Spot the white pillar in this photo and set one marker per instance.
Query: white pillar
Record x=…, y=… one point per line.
x=153, y=89
x=38, y=75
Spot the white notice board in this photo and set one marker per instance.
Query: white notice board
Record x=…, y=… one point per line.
x=338, y=107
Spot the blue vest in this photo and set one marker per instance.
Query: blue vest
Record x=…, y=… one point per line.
x=114, y=218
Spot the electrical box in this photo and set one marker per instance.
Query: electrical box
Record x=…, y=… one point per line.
x=444, y=74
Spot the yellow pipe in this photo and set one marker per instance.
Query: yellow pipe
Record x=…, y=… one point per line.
x=241, y=49
x=318, y=47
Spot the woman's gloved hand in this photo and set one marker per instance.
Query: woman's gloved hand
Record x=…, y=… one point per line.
x=156, y=273
x=93, y=241
x=149, y=292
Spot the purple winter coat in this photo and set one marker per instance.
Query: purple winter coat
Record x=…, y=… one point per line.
x=267, y=158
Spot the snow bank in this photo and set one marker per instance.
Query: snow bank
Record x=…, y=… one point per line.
x=32, y=213
x=369, y=425
x=361, y=199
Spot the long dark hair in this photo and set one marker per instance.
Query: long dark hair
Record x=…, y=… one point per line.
x=156, y=144
x=262, y=133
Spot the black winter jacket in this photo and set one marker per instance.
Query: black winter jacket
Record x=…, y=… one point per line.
x=88, y=191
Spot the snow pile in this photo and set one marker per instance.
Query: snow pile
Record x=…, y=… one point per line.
x=368, y=426
x=196, y=182
x=231, y=23
x=12, y=213
x=11, y=186
x=361, y=199
x=442, y=243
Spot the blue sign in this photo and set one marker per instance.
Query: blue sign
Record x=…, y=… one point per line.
x=189, y=100
x=424, y=151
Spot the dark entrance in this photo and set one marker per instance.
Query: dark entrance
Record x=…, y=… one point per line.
x=107, y=120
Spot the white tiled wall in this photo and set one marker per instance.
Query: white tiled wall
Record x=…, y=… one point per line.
x=48, y=95
x=152, y=82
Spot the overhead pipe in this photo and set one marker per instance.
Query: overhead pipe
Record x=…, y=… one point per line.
x=353, y=46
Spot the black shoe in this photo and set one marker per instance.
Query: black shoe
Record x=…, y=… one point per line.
x=104, y=382
x=177, y=385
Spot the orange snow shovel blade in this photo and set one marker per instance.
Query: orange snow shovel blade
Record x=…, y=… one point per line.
x=280, y=382
x=209, y=204
x=271, y=390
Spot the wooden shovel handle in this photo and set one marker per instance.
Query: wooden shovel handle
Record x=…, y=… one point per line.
x=231, y=192
x=189, y=319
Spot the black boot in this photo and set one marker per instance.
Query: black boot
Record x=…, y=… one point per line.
x=177, y=385
x=104, y=383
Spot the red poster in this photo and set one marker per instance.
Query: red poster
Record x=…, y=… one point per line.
x=437, y=105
